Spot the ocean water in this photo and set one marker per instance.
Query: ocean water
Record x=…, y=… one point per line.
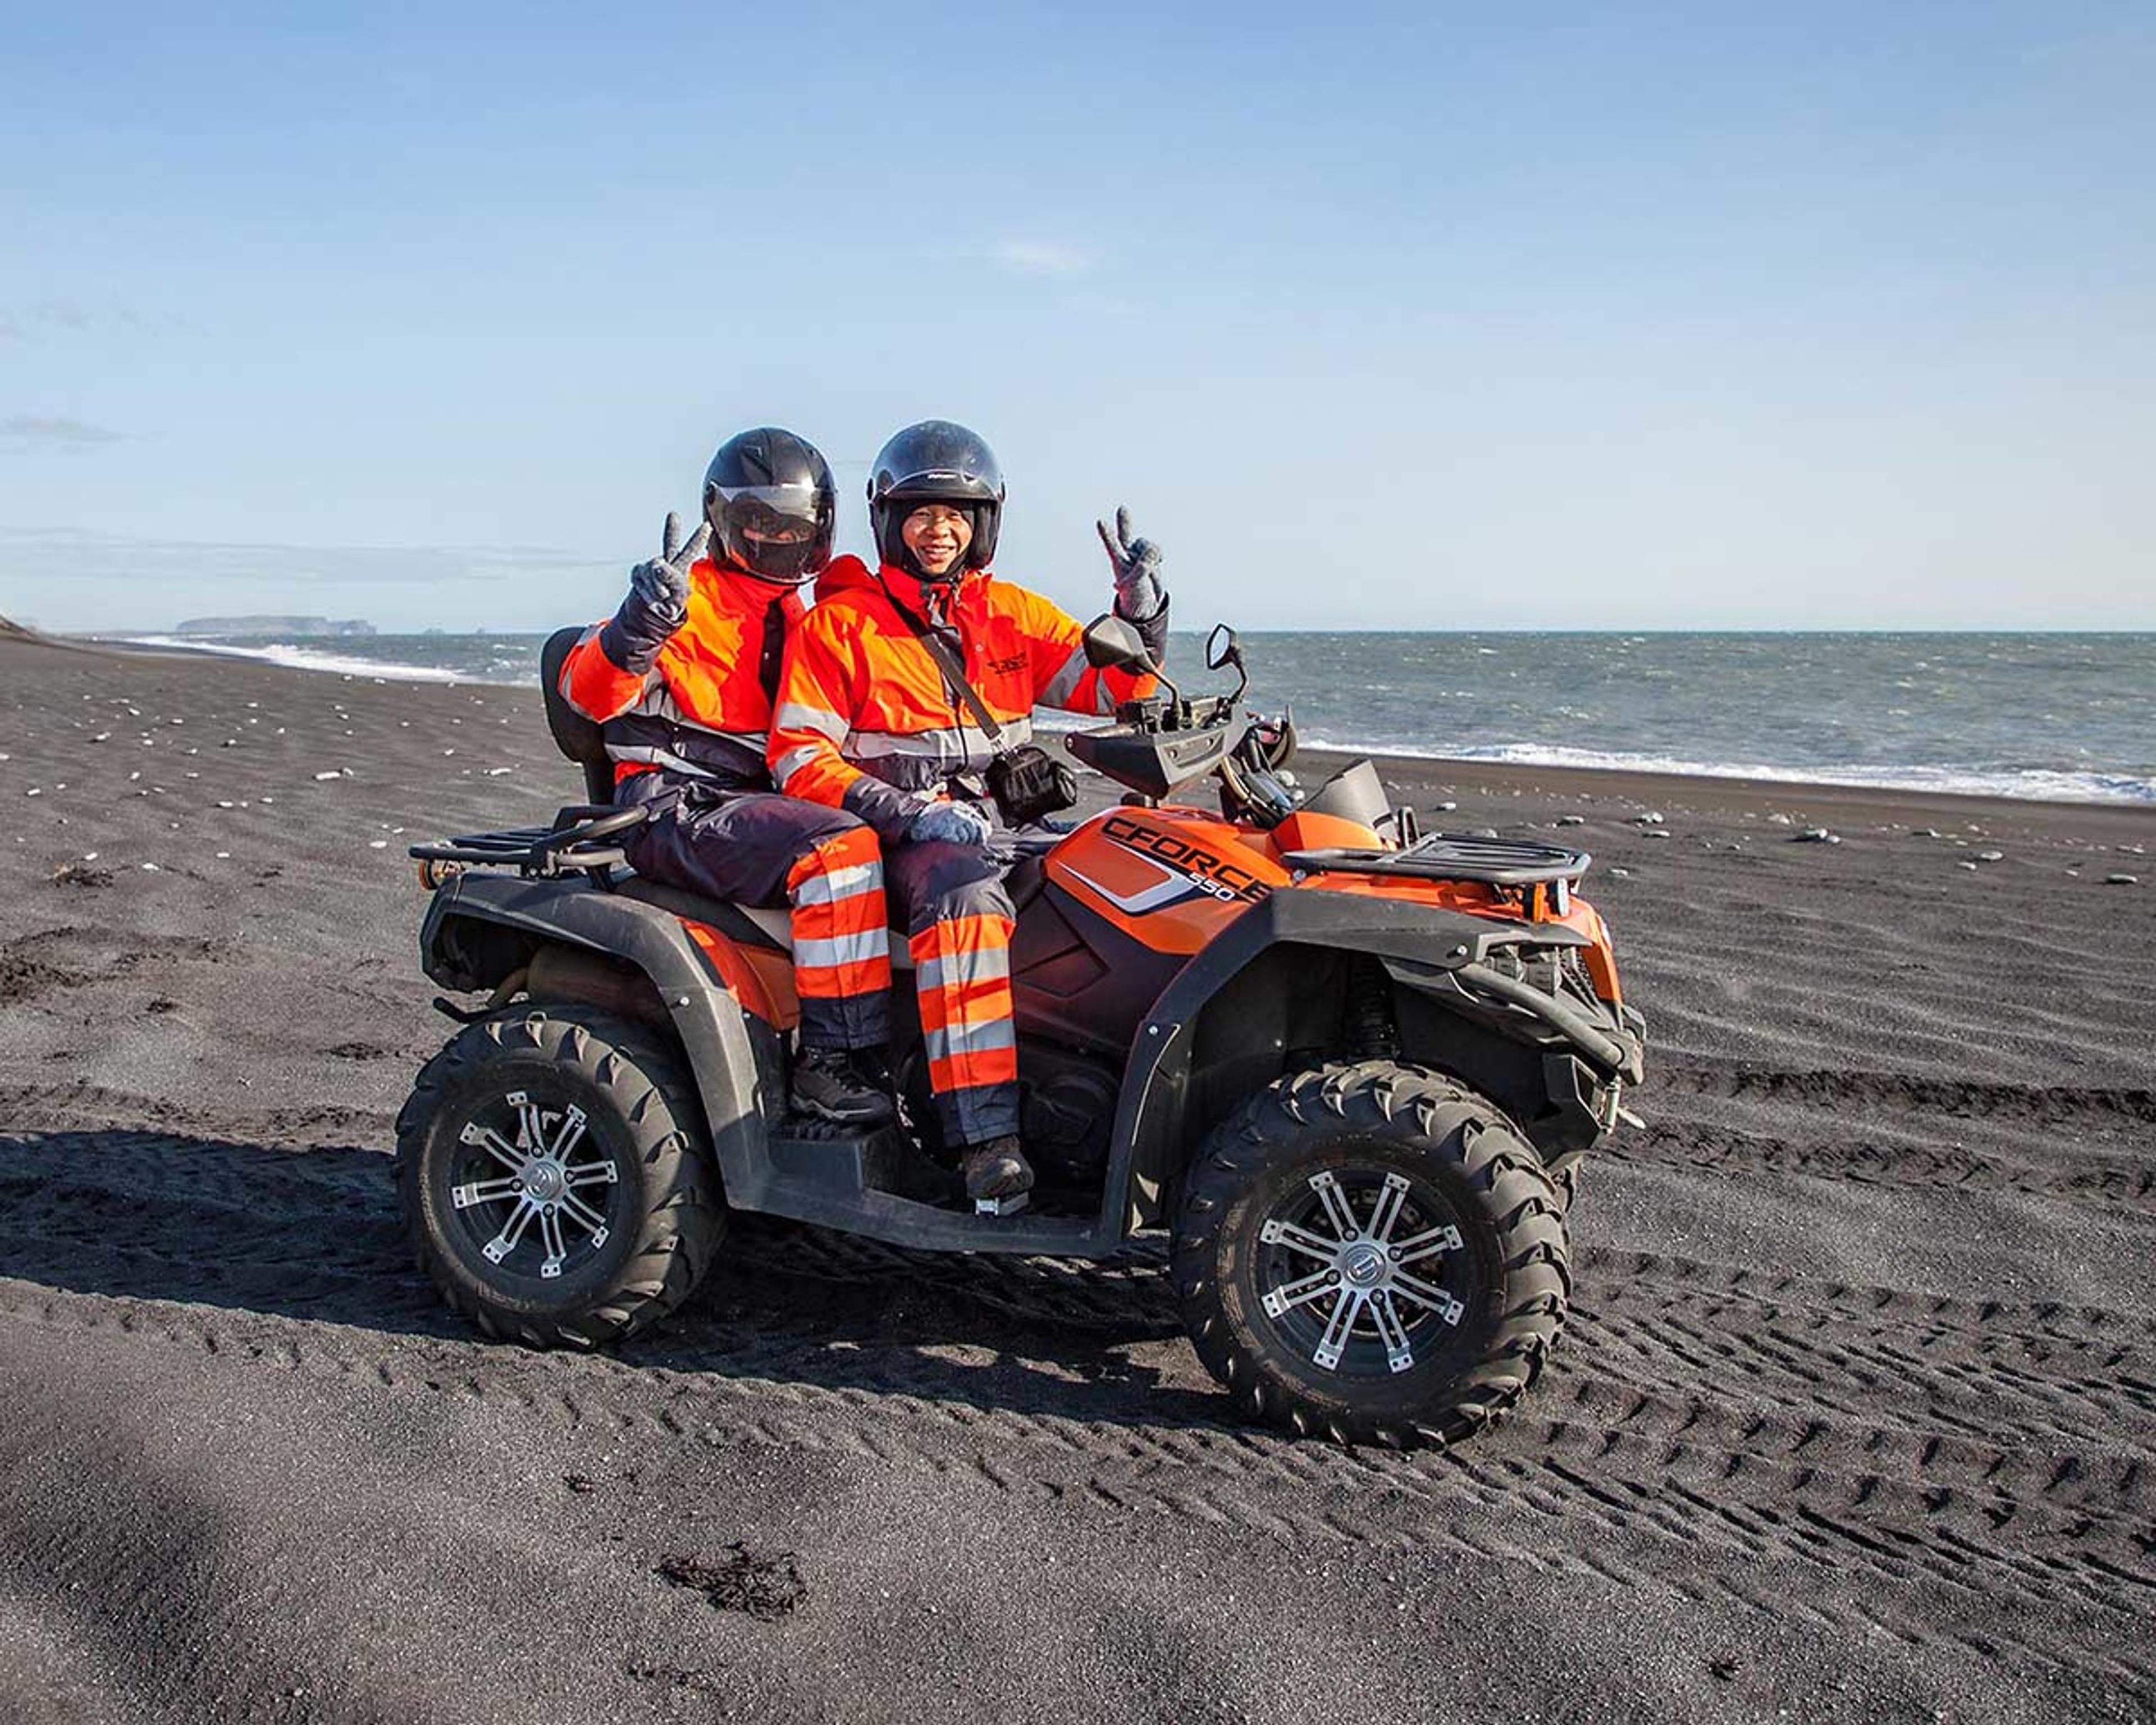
x=2069, y=716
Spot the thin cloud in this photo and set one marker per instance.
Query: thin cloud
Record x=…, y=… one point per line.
x=66, y=313
x=29, y=553
x=55, y=429
x=1040, y=258
x=55, y=317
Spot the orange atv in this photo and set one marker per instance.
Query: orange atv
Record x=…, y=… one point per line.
x=1351, y=1069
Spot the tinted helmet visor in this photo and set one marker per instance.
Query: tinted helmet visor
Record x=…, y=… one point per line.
x=779, y=532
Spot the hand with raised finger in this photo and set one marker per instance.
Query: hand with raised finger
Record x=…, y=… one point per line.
x=658, y=602
x=1139, y=595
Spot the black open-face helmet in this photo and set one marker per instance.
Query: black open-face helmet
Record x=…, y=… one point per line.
x=771, y=505
x=935, y=462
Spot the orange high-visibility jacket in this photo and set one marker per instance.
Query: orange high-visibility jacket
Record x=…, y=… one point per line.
x=700, y=708
x=865, y=720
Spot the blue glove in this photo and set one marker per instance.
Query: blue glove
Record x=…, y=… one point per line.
x=658, y=602
x=1139, y=595
x=942, y=822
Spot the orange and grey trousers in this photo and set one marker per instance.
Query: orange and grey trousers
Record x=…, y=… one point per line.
x=957, y=914
x=759, y=848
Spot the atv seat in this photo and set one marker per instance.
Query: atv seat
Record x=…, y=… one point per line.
x=576, y=735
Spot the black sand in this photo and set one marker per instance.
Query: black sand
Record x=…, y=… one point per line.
x=1855, y=1419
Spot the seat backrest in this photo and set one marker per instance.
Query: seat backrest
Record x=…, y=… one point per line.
x=576, y=735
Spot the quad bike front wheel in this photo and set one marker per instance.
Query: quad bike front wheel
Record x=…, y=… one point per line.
x=1370, y=1251
x=555, y=1180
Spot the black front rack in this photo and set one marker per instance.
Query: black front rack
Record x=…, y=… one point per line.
x=1442, y=856
x=572, y=843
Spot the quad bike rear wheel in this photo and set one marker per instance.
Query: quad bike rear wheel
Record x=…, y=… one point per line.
x=1370, y=1251
x=557, y=1183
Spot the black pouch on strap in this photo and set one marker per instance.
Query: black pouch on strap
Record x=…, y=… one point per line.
x=1028, y=784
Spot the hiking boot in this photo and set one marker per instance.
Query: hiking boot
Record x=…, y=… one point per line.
x=996, y=1169
x=833, y=1084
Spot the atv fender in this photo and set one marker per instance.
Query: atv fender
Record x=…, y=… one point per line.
x=1152, y=1122
x=463, y=945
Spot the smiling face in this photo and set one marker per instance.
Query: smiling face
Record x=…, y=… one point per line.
x=937, y=535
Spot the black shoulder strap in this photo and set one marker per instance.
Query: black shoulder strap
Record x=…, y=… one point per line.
x=954, y=672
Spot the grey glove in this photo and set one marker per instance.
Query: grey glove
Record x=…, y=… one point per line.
x=1139, y=594
x=658, y=602
x=951, y=824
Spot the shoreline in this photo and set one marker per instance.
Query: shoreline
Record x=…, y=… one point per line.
x=1503, y=776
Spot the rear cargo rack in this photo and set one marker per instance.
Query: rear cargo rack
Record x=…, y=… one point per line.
x=572, y=843
x=1442, y=856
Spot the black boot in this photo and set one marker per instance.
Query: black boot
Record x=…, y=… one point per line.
x=996, y=1169
x=831, y=1083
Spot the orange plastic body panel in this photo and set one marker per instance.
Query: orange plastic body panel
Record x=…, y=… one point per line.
x=1306, y=831
x=1477, y=899
x=1172, y=879
x=761, y=979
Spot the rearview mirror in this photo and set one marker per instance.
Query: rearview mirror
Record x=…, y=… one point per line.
x=1221, y=648
x=1112, y=644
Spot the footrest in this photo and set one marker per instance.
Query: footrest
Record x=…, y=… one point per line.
x=833, y=1159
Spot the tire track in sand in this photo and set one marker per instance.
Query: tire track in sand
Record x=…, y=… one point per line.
x=1653, y=1438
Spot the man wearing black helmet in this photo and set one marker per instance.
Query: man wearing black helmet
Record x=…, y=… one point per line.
x=682, y=679
x=869, y=723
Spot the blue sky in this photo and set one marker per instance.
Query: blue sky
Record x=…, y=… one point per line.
x=1376, y=317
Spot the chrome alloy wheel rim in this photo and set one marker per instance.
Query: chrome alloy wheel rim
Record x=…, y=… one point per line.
x=540, y=1201
x=1359, y=1269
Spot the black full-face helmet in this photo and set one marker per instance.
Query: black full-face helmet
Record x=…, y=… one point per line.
x=935, y=462
x=771, y=505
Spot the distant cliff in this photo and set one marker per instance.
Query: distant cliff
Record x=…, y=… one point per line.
x=219, y=626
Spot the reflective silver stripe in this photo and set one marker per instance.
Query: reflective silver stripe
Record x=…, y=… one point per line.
x=956, y=969
x=658, y=702
x=844, y=948
x=954, y=748
x=1065, y=683
x=657, y=757
x=972, y=1039
x=792, y=761
x=853, y=882
x=798, y=715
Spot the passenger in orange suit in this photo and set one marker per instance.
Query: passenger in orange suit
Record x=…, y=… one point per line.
x=681, y=679
x=867, y=724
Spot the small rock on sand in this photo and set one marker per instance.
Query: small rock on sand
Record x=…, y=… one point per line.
x=2121, y=880
x=1815, y=835
x=1991, y=856
x=1571, y=820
